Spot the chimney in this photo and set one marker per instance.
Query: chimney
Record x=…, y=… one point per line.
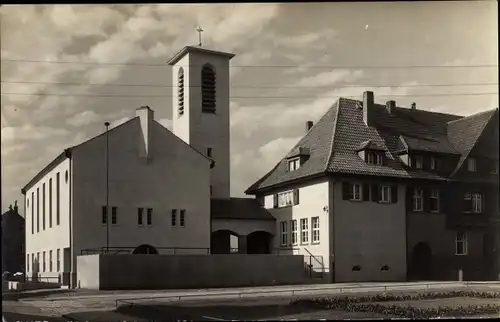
x=413, y=106
x=146, y=117
x=368, y=102
x=16, y=208
x=390, y=106
x=309, y=125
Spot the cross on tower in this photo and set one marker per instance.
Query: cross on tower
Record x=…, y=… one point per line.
x=199, y=30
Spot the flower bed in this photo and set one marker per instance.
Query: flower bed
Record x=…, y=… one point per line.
x=369, y=304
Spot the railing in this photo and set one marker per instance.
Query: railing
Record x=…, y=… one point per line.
x=160, y=250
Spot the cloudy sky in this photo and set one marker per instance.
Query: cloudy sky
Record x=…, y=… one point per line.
x=67, y=69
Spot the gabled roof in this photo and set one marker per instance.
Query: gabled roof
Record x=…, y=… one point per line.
x=191, y=49
x=238, y=208
x=370, y=145
x=341, y=132
x=464, y=133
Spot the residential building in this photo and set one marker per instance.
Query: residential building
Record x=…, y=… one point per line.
x=383, y=193
x=12, y=241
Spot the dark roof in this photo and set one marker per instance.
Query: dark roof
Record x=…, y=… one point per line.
x=341, y=132
x=238, y=208
x=190, y=49
x=370, y=145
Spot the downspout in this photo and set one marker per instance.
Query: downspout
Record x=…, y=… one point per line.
x=67, y=153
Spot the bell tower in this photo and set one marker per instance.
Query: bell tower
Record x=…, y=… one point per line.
x=200, y=103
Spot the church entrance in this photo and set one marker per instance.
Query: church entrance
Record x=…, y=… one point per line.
x=421, y=262
x=145, y=249
x=259, y=242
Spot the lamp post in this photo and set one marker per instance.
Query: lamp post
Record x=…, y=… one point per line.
x=107, y=187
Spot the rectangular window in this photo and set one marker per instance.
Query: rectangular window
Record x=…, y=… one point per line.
x=113, y=215
x=58, y=198
x=284, y=233
x=43, y=206
x=294, y=232
x=293, y=164
x=174, y=217
x=50, y=203
x=32, y=213
x=471, y=164
x=182, y=216
x=417, y=199
x=33, y=267
x=434, y=163
x=139, y=216
x=434, y=200
x=370, y=157
x=304, y=230
x=354, y=191
x=38, y=261
x=419, y=162
x=50, y=260
x=104, y=217
x=380, y=158
x=37, y=210
x=315, y=229
x=385, y=194
x=27, y=262
x=477, y=203
x=209, y=152
x=150, y=216
x=58, y=260
x=285, y=198
x=43, y=259
x=461, y=243
x=494, y=170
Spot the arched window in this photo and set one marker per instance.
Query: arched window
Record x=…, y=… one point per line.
x=208, y=89
x=180, y=90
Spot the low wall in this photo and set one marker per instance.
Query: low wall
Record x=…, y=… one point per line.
x=108, y=272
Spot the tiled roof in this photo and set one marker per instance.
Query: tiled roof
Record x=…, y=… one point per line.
x=238, y=208
x=341, y=132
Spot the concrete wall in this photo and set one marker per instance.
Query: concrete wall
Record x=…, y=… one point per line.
x=313, y=198
x=175, y=177
x=187, y=271
x=371, y=235
x=57, y=236
x=205, y=130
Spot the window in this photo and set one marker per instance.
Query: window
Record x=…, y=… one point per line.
x=33, y=262
x=27, y=262
x=58, y=198
x=285, y=198
x=294, y=232
x=477, y=203
x=58, y=260
x=419, y=162
x=209, y=152
x=38, y=261
x=434, y=163
x=370, y=157
x=417, y=199
x=37, y=210
x=150, y=216
x=315, y=229
x=50, y=203
x=139, y=216
x=293, y=164
x=50, y=260
x=43, y=258
x=385, y=194
x=471, y=164
x=284, y=233
x=494, y=170
x=180, y=91
x=461, y=243
x=32, y=213
x=355, y=191
x=208, y=89
x=380, y=158
x=304, y=231
x=434, y=200
x=43, y=206
x=66, y=176
x=182, y=218
x=113, y=215
x=104, y=217
x=174, y=217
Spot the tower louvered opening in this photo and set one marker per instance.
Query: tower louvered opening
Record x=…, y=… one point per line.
x=208, y=89
x=180, y=91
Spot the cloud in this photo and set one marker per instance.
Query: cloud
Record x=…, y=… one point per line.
x=308, y=41
x=83, y=118
x=119, y=122
x=330, y=78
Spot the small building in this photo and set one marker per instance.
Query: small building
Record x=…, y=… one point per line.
x=12, y=241
x=378, y=192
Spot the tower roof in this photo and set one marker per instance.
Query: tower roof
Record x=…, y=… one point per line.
x=192, y=49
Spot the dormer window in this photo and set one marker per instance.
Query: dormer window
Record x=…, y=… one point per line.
x=471, y=164
x=374, y=158
x=419, y=162
x=434, y=163
x=293, y=164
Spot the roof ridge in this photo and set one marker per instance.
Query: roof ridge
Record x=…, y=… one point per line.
x=330, y=155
